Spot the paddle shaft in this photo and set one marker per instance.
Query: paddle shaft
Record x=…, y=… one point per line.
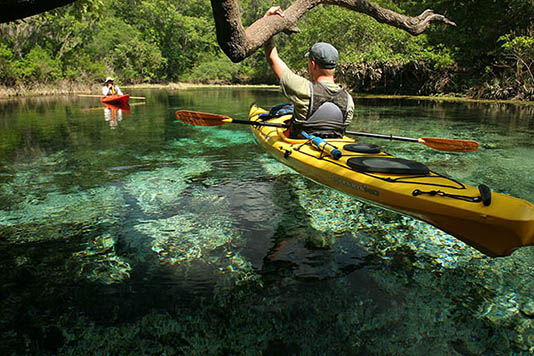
x=441, y=144
x=256, y=123
x=98, y=96
x=390, y=137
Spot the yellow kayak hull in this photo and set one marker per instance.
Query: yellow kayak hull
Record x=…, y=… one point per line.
x=496, y=230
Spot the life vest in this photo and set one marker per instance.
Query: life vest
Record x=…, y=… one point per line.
x=327, y=112
x=112, y=90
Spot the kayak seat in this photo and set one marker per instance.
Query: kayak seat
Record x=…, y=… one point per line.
x=277, y=111
x=362, y=148
x=387, y=165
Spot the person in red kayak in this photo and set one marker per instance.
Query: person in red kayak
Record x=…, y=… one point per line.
x=321, y=107
x=110, y=88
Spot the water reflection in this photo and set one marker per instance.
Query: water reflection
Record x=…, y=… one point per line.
x=113, y=113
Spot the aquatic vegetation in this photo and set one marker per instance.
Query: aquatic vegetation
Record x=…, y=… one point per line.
x=183, y=142
x=489, y=286
x=225, y=137
x=195, y=234
x=162, y=187
x=210, y=138
x=31, y=178
x=267, y=320
x=39, y=219
x=274, y=168
x=185, y=237
x=333, y=214
x=98, y=262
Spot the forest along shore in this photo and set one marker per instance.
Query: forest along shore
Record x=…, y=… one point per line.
x=115, y=38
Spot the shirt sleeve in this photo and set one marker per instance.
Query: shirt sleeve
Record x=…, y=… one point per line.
x=297, y=90
x=350, y=111
x=293, y=86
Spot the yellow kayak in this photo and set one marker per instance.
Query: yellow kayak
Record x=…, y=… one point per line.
x=495, y=224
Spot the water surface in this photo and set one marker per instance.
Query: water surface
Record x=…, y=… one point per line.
x=131, y=233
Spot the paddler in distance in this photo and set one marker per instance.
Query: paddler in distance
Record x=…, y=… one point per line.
x=110, y=88
x=321, y=107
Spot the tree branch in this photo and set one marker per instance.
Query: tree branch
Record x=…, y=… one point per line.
x=239, y=43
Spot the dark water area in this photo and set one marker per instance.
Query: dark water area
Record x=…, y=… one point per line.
x=129, y=233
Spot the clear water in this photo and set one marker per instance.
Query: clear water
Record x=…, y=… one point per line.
x=142, y=235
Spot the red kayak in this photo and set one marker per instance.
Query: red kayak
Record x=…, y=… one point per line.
x=115, y=99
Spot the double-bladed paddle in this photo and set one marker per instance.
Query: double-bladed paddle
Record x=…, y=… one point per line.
x=98, y=96
x=205, y=119
x=440, y=144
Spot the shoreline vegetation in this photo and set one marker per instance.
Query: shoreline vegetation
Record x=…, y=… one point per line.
x=73, y=48
x=21, y=92
x=76, y=88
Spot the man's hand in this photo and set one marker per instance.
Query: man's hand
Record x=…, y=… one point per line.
x=271, y=53
x=275, y=10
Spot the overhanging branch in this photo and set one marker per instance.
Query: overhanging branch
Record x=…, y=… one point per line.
x=239, y=43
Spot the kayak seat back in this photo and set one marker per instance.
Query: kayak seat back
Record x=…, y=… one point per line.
x=387, y=165
x=362, y=148
x=277, y=111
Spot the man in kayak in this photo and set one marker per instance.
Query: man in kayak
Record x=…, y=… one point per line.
x=321, y=107
x=110, y=88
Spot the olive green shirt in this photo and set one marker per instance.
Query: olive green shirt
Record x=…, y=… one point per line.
x=297, y=90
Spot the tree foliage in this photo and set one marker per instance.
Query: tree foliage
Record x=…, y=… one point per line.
x=171, y=40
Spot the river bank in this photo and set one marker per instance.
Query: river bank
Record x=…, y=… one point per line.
x=69, y=88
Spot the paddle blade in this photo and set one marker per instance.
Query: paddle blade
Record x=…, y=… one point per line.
x=201, y=118
x=449, y=145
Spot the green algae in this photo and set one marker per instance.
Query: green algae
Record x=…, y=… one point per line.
x=275, y=168
x=213, y=138
x=433, y=252
x=185, y=237
x=254, y=322
x=99, y=262
x=163, y=187
x=202, y=232
x=219, y=138
x=39, y=218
